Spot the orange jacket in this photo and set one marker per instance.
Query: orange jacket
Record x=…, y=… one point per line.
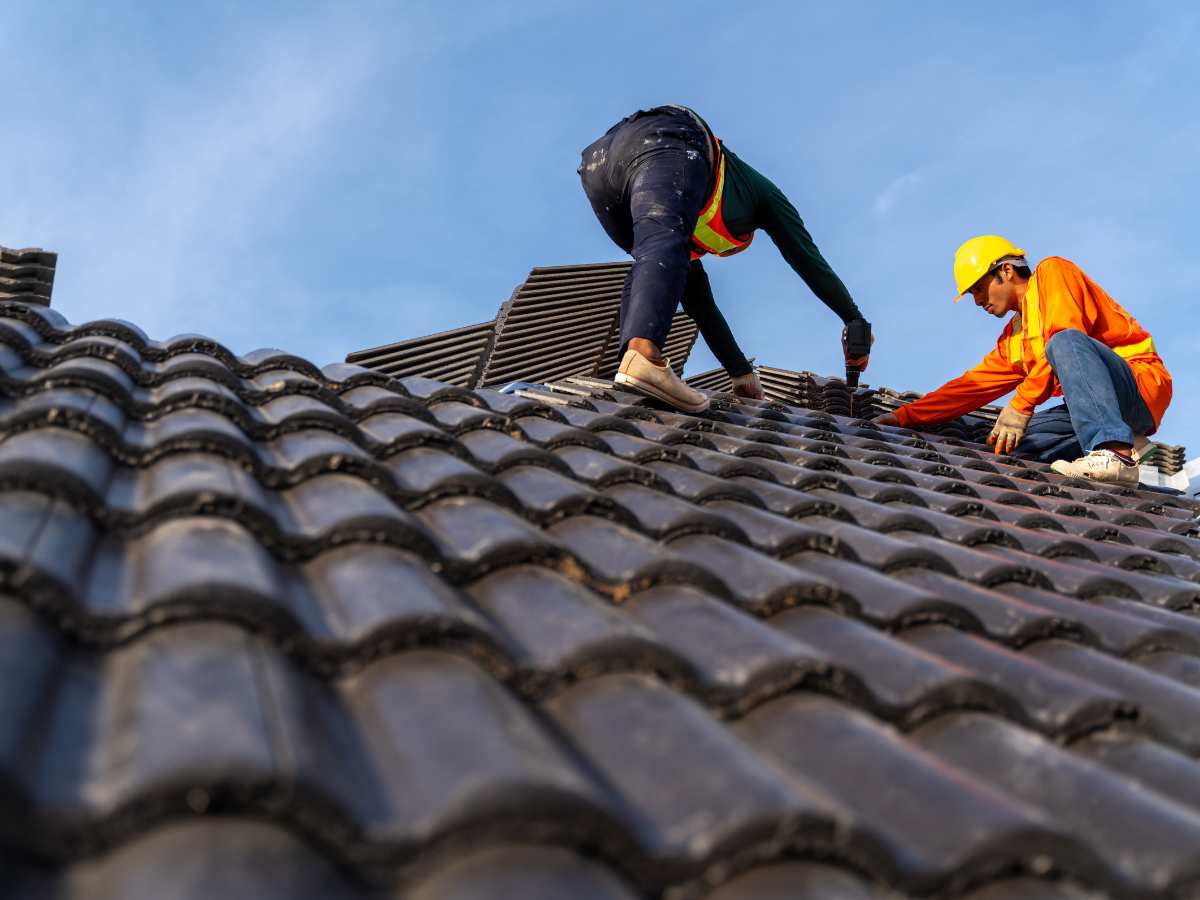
x=1060, y=296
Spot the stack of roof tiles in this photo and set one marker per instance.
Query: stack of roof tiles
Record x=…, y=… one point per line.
x=975, y=427
x=1168, y=460
x=804, y=389
x=564, y=320
x=27, y=275
x=269, y=630
x=832, y=395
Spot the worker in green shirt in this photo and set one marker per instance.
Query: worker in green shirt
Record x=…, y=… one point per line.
x=667, y=192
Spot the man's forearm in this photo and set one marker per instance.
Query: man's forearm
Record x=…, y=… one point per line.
x=796, y=246
x=698, y=302
x=946, y=403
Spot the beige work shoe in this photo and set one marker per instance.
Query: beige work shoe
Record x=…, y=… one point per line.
x=1099, y=465
x=640, y=375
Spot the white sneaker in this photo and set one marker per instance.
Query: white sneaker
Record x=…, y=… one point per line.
x=1099, y=465
x=640, y=375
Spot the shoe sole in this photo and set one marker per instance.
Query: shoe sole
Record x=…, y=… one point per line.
x=649, y=390
x=1117, y=480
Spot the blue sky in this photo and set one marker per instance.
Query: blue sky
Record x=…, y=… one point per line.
x=328, y=177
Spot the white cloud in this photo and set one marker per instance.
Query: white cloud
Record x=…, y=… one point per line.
x=896, y=191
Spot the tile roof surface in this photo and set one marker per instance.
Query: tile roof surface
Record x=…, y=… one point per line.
x=274, y=631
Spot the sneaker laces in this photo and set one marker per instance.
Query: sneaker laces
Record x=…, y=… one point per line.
x=1099, y=460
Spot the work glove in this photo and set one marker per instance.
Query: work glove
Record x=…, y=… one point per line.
x=1010, y=428
x=860, y=361
x=887, y=419
x=748, y=386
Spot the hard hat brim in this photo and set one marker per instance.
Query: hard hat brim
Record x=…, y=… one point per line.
x=1015, y=260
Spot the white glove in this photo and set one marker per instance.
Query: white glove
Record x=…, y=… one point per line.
x=748, y=386
x=1010, y=428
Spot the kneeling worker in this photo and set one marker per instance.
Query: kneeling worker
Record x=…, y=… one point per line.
x=1068, y=338
x=668, y=192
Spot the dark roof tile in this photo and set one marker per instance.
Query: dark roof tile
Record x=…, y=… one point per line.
x=1146, y=842
x=547, y=433
x=797, y=881
x=546, y=496
x=916, y=816
x=621, y=561
x=474, y=536
x=754, y=581
x=523, y=872
x=601, y=470
x=737, y=660
x=1050, y=700
x=495, y=451
x=1171, y=710
x=1003, y=617
x=698, y=487
x=772, y=533
x=561, y=631
x=1145, y=762
x=903, y=681
x=425, y=474
x=1181, y=667
x=881, y=551
x=666, y=517
x=883, y=600
x=658, y=750
x=490, y=767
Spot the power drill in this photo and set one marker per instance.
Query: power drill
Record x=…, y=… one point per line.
x=858, y=344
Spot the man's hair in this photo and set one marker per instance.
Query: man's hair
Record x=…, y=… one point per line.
x=1022, y=270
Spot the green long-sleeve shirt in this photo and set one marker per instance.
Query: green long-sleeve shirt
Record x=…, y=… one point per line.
x=750, y=202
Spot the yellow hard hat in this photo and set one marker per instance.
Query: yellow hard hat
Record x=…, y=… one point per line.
x=977, y=256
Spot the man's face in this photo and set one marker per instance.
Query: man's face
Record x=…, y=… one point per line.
x=996, y=293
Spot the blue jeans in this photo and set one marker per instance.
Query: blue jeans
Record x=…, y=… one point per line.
x=1103, y=402
x=647, y=180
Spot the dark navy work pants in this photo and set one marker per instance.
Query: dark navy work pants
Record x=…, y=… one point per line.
x=647, y=180
x=1103, y=402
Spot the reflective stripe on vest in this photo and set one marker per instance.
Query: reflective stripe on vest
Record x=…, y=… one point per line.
x=1031, y=325
x=710, y=234
x=1126, y=351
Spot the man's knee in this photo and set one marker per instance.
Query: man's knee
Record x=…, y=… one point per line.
x=1068, y=337
x=663, y=245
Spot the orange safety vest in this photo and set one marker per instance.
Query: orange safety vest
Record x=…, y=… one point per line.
x=1033, y=331
x=711, y=235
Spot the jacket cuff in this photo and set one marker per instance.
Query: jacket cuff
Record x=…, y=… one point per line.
x=903, y=416
x=1023, y=406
